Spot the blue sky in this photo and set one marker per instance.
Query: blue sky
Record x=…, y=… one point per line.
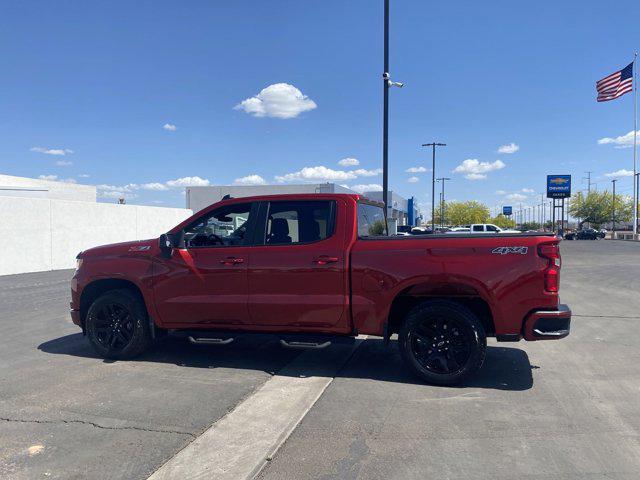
x=87, y=89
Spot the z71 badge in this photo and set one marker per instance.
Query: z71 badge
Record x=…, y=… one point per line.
x=508, y=250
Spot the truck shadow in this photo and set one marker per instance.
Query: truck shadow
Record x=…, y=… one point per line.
x=505, y=368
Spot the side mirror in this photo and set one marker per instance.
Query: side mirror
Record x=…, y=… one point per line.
x=167, y=242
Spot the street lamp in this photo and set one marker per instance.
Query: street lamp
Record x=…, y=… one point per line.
x=442, y=179
x=433, y=145
x=386, y=84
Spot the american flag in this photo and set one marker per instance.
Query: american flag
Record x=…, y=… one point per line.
x=616, y=84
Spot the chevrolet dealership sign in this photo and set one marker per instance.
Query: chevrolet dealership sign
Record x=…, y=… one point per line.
x=558, y=186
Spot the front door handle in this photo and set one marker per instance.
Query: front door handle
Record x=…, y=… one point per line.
x=324, y=259
x=232, y=261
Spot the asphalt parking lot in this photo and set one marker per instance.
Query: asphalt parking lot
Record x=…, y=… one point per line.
x=561, y=410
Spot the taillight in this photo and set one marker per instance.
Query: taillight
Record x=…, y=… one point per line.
x=551, y=251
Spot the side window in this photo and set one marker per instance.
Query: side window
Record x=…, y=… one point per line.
x=478, y=228
x=371, y=220
x=491, y=228
x=298, y=222
x=223, y=227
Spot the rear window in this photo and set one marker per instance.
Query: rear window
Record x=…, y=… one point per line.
x=371, y=220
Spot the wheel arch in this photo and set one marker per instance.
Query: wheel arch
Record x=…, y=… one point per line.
x=460, y=292
x=97, y=287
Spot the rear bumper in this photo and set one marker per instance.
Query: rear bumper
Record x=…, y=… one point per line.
x=548, y=324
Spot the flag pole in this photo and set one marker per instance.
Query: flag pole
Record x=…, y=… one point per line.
x=635, y=146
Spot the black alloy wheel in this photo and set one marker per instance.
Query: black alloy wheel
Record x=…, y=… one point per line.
x=117, y=325
x=442, y=342
x=440, y=345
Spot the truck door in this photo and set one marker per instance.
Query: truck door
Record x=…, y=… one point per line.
x=298, y=275
x=205, y=283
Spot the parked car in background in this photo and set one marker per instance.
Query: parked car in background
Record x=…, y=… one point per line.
x=602, y=232
x=313, y=269
x=490, y=228
x=421, y=231
x=403, y=230
x=459, y=230
x=584, y=234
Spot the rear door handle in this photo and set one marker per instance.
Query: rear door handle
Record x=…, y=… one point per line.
x=232, y=261
x=324, y=259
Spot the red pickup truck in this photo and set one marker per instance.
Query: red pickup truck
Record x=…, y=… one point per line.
x=319, y=268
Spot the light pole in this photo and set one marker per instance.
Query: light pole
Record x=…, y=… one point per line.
x=386, y=83
x=442, y=179
x=433, y=145
x=613, y=214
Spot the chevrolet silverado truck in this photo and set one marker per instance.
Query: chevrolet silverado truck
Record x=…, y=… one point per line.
x=313, y=269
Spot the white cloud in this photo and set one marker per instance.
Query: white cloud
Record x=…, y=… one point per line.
x=188, y=182
x=250, y=180
x=155, y=186
x=623, y=141
x=55, y=178
x=169, y=127
x=413, y=179
x=528, y=190
x=361, y=172
x=370, y=187
x=620, y=173
x=518, y=197
x=128, y=191
x=83, y=175
x=52, y=151
x=501, y=192
x=324, y=174
x=476, y=170
x=64, y=163
x=349, y=162
x=52, y=178
x=475, y=176
x=416, y=170
x=279, y=100
x=114, y=191
x=508, y=148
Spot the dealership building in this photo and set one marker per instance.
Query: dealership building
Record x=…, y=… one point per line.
x=404, y=210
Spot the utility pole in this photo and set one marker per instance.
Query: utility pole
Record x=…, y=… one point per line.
x=588, y=178
x=613, y=214
x=386, y=84
x=433, y=145
x=442, y=179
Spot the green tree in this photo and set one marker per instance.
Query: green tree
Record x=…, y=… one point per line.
x=503, y=221
x=597, y=208
x=463, y=213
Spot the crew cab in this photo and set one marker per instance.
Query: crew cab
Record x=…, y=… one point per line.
x=313, y=269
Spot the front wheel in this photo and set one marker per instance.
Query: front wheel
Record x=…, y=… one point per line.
x=442, y=342
x=117, y=325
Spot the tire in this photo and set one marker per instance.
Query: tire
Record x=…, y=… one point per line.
x=457, y=341
x=117, y=325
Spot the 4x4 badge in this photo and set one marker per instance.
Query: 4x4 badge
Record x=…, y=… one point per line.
x=507, y=250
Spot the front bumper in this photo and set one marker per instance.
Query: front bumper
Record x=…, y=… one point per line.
x=548, y=324
x=75, y=316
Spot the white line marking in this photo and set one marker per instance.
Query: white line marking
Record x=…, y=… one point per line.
x=237, y=445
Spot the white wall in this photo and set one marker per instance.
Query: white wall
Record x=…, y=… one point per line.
x=40, y=234
x=37, y=188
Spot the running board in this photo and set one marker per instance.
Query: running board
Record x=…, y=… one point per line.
x=211, y=341
x=304, y=345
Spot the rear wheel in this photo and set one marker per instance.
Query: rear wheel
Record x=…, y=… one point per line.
x=117, y=325
x=442, y=342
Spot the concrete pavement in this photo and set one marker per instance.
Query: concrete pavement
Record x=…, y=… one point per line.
x=561, y=410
